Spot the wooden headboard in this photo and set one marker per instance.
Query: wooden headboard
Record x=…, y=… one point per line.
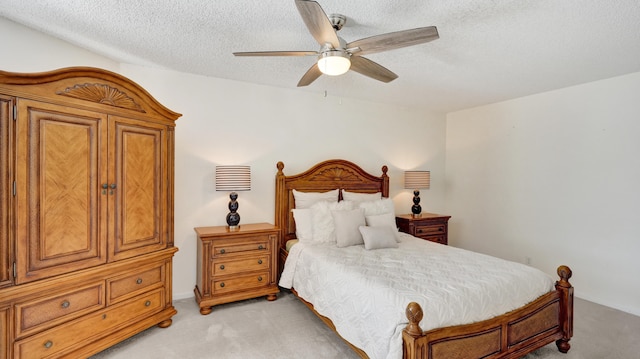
x=322, y=177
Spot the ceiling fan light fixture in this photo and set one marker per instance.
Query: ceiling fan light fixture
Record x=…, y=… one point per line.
x=334, y=62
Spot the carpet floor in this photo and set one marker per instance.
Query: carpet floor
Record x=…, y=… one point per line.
x=285, y=328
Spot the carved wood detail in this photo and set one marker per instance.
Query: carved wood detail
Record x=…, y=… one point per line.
x=336, y=174
x=101, y=93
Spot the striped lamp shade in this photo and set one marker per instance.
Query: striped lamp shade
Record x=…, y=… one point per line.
x=417, y=179
x=233, y=178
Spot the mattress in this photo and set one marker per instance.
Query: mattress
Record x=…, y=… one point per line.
x=365, y=292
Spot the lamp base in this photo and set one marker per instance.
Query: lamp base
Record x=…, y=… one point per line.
x=416, y=209
x=233, y=218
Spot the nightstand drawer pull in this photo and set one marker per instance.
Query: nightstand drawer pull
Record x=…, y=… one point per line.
x=48, y=344
x=222, y=251
x=222, y=285
x=419, y=230
x=222, y=266
x=65, y=304
x=259, y=279
x=261, y=247
x=259, y=261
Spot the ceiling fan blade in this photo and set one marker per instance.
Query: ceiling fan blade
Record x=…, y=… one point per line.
x=277, y=53
x=311, y=75
x=366, y=67
x=393, y=40
x=318, y=23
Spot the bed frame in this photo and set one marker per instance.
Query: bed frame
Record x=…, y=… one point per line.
x=511, y=335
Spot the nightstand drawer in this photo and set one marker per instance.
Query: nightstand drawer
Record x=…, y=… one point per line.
x=241, y=282
x=257, y=244
x=431, y=229
x=436, y=239
x=225, y=267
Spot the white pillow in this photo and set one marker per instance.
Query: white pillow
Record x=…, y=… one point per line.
x=304, y=230
x=346, y=223
x=361, y=197
x=322, y=222
x=384, y=205
x=308, y=199
x=378, y=237
x=384, y=220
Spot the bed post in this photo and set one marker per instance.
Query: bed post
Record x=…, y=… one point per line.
x=385, y=182
x=280, y=192
x=412, y=347
x=566, y=308
x=280, y=219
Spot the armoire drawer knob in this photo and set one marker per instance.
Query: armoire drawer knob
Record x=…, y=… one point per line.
x=222, y=266
x=48, y=344
x=222, y=251
x=261, y=247
x=139, y=281
x=259, y=261
x=222, y=285
x=147, y=303
x=259, y=279
x=65, y=304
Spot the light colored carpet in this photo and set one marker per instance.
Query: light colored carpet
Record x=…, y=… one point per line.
x=285, y=328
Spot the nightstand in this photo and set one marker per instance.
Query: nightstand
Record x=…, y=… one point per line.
x=429, y=226
x=236, y=264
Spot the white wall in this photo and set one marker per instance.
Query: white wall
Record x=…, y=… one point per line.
x=554, y=177
x=228, y=122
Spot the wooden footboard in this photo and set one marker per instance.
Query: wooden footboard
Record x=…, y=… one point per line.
x=512, y=335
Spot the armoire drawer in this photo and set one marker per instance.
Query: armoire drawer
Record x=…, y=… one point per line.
x=45, y=312
x=241, y=282
x=126, y=286
x=69, y=336
x=222, y=267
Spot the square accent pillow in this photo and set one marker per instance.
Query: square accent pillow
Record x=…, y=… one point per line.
x=322, y=221
x=384, y=220
x=361, y=197
x=346, y=224
x=384, y=205
x=302, y=218
x=378, y=237
x=308, y=199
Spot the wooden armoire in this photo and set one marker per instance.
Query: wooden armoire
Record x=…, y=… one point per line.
x=86, y=212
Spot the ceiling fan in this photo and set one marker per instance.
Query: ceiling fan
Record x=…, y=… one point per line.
x=336, y=56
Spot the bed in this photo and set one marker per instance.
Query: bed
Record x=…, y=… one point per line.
x=546, y=318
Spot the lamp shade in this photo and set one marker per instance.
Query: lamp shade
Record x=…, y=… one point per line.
x=233, y=178
x=417, y=179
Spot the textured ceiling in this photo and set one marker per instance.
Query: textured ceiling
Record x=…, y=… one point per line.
x=488, y=51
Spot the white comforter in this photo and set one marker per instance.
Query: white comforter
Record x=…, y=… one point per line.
x=365, y=292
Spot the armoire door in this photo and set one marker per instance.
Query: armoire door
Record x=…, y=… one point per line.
x=61, y=163
x=138, y=173
x=6, y=192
